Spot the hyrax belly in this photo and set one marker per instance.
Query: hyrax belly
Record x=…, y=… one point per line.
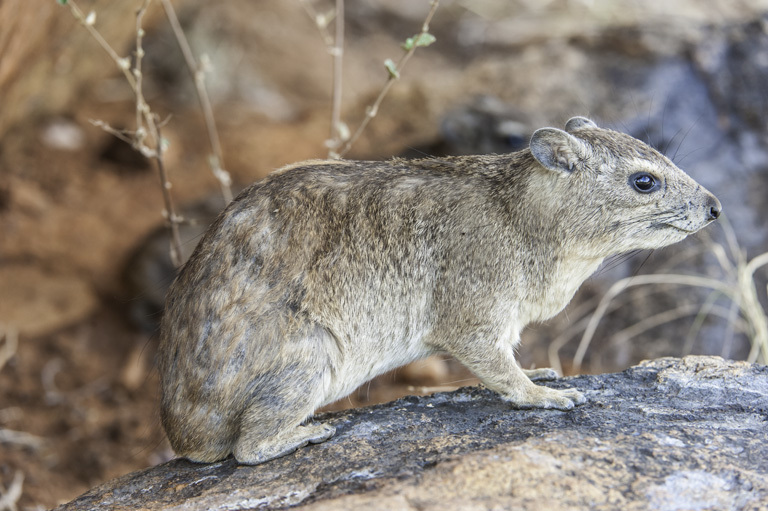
x=327, y=274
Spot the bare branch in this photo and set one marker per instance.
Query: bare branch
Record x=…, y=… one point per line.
x=321, y=21
x=123, y=63
x=11, y=496
x=20, y=439
x=177, y=256
x=125, y=136
x=339, y=134
x=8, y=349
x=335, y=46
x=216, y=160
x=146, y=139
x=394, y=74
x=141, y=106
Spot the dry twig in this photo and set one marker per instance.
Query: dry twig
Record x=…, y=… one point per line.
x=335, y=46
x=424, y=38
x=198, y=70
x=8, y=349
x=339, y=130
x=123, y=63
x=340, y=141
x=12, y=494
x=321, y=21
x=146, y=138
x=21, y=439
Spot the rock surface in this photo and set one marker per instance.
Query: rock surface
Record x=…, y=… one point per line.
x=667, y=434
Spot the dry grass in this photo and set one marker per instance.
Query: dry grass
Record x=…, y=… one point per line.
x=736, y=282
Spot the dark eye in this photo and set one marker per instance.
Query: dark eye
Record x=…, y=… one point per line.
x=644, y=182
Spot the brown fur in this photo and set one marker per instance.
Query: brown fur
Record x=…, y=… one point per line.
x=328, y=273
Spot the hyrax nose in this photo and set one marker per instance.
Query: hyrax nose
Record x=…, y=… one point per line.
x=713, y=208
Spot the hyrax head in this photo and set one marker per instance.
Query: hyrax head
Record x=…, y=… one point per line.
x=617, y=193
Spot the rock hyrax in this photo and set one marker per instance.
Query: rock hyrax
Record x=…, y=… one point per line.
x=328, y=273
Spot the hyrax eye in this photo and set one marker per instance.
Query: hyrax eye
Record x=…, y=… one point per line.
x=644, y=182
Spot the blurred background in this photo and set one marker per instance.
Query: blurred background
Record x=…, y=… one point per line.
x=84, y=256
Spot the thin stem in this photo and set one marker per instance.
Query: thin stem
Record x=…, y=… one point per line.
x=698, y=321
x=122, y=135
x=143, y=111
x=177, y=255
x=620, y=286
x=321, y=21
x=8, y=349
x=667, y=316
x=216, y=161
x=337, y=51
x=560, y=341
x=122, y=63
x=11, y=495
x=752, y=308
x=141, y=105
x=335, y=46
x=372, y=110
x=756, y=263
x=144, y=117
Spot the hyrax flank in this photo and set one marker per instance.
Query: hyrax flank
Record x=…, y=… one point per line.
x=328, y=273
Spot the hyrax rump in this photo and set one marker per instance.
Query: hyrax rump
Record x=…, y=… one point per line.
x=328, y=273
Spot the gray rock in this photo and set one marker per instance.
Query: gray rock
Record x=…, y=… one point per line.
x=667, y=434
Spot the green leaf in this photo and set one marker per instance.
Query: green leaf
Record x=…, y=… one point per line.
x=422, y=39
x=62, y=2
x=392, y=69
x=425, y=39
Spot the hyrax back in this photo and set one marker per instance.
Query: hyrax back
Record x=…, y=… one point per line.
x=326, y=274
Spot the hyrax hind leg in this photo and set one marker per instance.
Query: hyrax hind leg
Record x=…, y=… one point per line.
x=284, y=397
x=272, y=424
x=253, y=447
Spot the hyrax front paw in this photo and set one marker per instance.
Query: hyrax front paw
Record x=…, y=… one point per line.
x=536, y=396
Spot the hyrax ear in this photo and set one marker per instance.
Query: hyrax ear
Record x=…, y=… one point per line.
x=558, y=151
x=575, y=123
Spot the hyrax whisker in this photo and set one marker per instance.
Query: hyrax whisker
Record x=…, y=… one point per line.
x=328, y=273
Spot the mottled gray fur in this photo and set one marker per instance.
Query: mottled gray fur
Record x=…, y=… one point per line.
x=328, y=273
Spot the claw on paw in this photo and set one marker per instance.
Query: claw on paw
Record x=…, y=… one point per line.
x=545, y=397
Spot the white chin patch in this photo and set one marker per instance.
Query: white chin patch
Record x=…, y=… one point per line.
x=685, y=226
